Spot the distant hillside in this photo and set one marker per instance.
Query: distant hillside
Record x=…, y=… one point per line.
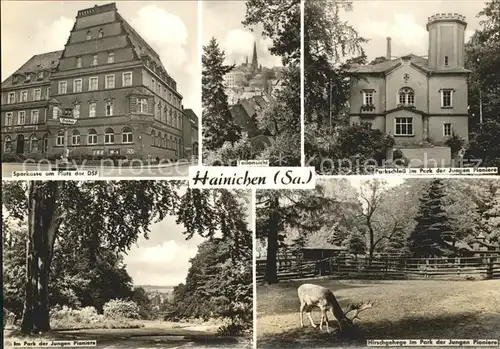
x=153, y=288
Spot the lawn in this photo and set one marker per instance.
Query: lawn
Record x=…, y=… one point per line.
x=402, y=310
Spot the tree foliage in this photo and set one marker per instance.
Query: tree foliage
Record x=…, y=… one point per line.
x=116, y=213
x=218, y=124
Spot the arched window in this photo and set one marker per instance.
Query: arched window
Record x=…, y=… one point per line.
x=164, y=141
x=153, y=137
x=89, y=35
x=75, y=138
x=406, y=97
x=33, y=144
x=170, y=143
x=127, y=135
x=109, y=136
x=92, y=136
x=158, y=140
x=7, y=147
x=60, y=138
x=101, y=33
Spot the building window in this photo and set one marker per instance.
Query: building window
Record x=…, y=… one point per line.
x=62, y=87
x=75, y=138
x=153, y=83
x=8, y=119
x=92, y=107
x=109, y=136
x=33, y=144
x=21, y=118
x=77, y=85
x=143, y=105
x=60, y=138
x=109, y=108
x=101, y=33
x=367, y=98
x=153, y=137
x=7, y=145
x=40, y=75
x=110, y=81
x=34, y=116
x=48, y=92
x=111, y=57
x=27, y=78
x=24, y=96
x=76, y=111
x=127, y=79
x=447, y=130
x=55, y=113
x=11, y=98
x=92, y=137
x=169, y=120
x=404, y=127
x=78, y=63
x=93, y=83
x=97, y=152
x=127, y=135
x=94, y=60
x=38, y=94
x=446, y=98
x=89, y=35
x=406, y=97
x=446, y=60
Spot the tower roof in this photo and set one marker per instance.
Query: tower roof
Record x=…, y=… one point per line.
x=255, y=61
x=446, y=17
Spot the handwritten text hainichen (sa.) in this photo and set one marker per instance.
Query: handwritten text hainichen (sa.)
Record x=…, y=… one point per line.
x=252, y=177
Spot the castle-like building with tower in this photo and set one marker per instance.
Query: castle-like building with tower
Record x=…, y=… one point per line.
x=422, y=102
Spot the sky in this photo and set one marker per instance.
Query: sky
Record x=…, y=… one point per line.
x=222, y=20
x=405, y=22
x=163, y=259
x=170, y=27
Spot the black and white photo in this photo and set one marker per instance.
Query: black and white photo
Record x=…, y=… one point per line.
x=251, y=82
x=112, y=87
x=149, y=264
x=360, y=260
x=402, y=84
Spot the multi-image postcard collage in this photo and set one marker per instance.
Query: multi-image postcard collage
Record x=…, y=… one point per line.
x=250, y=174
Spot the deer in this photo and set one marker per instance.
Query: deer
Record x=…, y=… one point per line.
x=311, y=296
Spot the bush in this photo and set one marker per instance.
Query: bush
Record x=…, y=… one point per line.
x=118, y=308
x=88, y=317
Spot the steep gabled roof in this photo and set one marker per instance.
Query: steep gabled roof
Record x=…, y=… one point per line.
x=386, y=66
x=44, y=61
x=141, y=47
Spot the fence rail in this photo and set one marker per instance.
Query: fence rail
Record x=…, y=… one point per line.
x=386, y=267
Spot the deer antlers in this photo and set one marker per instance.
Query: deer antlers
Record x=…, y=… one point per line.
x=357, y=308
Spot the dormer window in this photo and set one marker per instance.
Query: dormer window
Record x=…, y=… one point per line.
x=89, y=35
x=101, y=33
x=27, y=78
x=406, y=97
x=111, y=57
x=15, y=79
x=78, y=62
x=40, y=75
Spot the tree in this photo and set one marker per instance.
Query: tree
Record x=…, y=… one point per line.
x=116, y=213
x=481, y=57
x=218, y=124
x=327, y=41
x=219, y=281
x=433, y=235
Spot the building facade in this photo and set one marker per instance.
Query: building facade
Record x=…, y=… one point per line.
x=191, y=142
x=420, y=101
x=124, y=101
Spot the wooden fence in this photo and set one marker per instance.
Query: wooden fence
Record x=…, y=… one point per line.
x=387, y=267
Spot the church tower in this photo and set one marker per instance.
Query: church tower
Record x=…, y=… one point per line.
x=255, y=61
x=446, y=41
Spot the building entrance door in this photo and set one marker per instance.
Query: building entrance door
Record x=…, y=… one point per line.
x=20, y=144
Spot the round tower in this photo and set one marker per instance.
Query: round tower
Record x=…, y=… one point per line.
x=446, y=40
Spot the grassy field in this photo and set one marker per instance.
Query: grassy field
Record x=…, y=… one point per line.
x=402, y=310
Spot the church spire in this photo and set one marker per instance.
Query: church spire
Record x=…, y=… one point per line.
x=255, y=61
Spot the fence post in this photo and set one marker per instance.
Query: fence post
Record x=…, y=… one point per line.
x=459, y=267
x=489, y=268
